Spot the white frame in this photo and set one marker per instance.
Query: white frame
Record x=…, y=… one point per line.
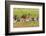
x=24, y=29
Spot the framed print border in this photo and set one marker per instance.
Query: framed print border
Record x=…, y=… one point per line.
x=7, y=20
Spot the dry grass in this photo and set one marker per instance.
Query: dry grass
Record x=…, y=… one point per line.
x=26, y=24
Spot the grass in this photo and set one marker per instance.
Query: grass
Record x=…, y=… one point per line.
x=26, y=24
x=20, y=11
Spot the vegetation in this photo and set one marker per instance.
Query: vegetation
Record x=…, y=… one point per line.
x=21, y=11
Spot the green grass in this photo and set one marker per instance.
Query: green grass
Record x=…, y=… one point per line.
x=20, y=11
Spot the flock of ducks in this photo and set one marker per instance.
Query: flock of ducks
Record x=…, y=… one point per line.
x=25, y=19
